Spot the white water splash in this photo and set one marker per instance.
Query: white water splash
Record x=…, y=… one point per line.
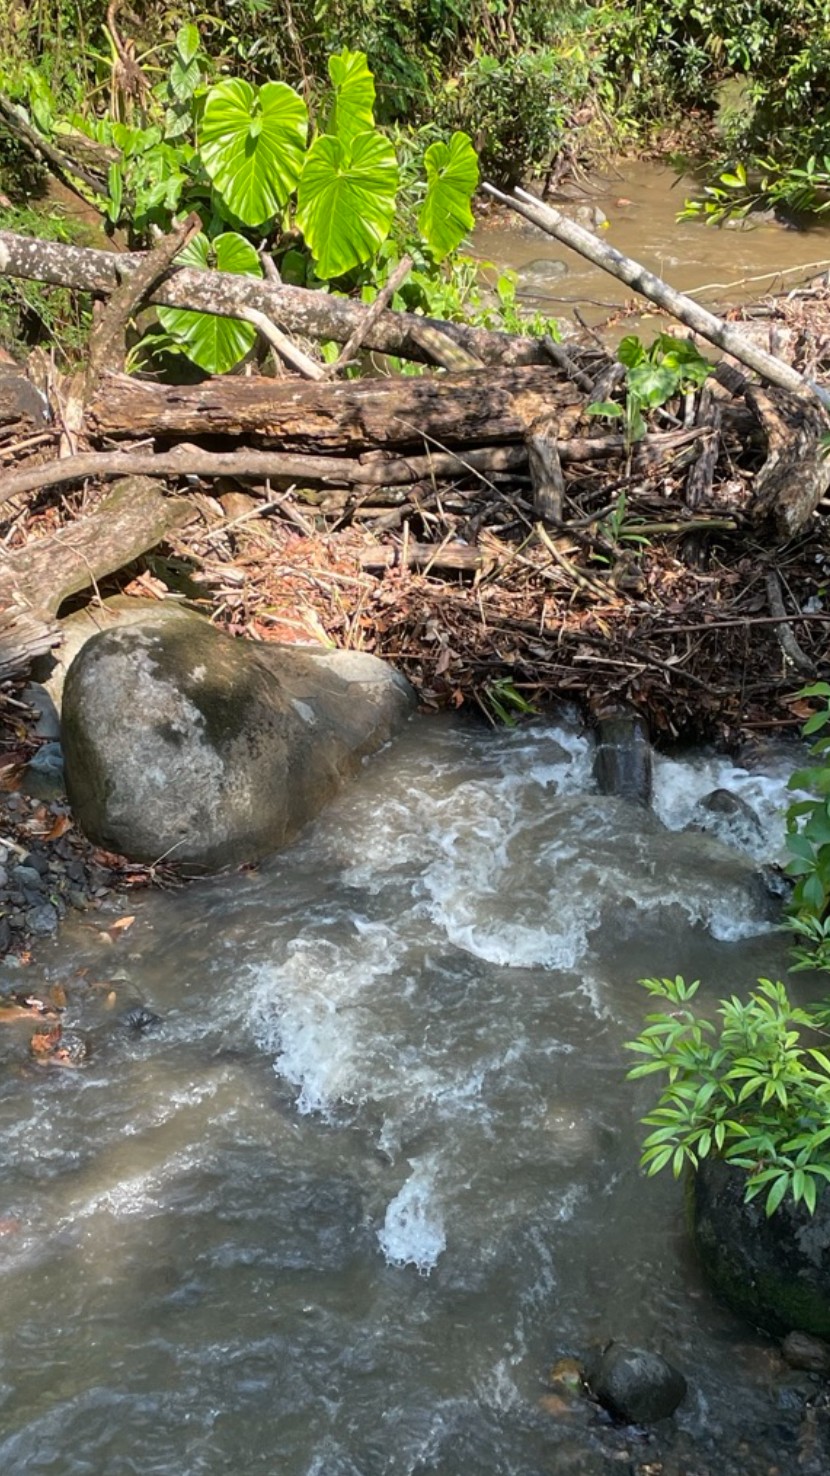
x=413, y=1230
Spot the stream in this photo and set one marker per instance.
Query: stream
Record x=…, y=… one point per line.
x=641, y=198
x=377, y=1170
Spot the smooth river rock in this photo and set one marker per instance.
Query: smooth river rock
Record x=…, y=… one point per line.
x=774, y=1271
x=633, y=1384
x=185, y=743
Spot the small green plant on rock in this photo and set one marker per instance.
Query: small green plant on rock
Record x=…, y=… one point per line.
x=749, y=1088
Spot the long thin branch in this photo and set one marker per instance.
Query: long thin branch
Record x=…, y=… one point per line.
x=724, y=335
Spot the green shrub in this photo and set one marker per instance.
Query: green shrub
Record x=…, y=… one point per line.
x=748, y=1089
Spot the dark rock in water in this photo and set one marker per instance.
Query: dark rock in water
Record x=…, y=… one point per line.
x=774, y=1271
x=184, y=743
x=623, y=760
x=724, y=802
x=139, y=1019
x=634, y=1385
x=539, y=278
x=810, y=1354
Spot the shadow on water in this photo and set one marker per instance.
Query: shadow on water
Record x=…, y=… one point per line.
x=378, y=1169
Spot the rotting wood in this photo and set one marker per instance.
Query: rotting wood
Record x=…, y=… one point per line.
x=299, y=311
x=701, y=474
x=796, y=473
x=35, y=580
x=545, y=469
x=483, y=408
x=133, y=517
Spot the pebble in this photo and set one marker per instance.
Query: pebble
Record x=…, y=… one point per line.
x=43, y=920
x=805, y=1352
x=26, y=876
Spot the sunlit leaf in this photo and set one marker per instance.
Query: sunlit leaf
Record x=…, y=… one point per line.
x=452, y=178
x=252, y=145
x=214, y=343
x=346, y=200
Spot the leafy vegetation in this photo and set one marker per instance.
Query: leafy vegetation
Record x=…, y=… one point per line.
x=654, y=376
x=748, y=1088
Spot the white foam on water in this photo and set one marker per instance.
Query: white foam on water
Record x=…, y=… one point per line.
x=413, y=1230
x=679, y=786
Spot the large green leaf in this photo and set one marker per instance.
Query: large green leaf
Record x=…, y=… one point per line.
x=452, y=176
x=353, y=108
x=252, y=144
x=214, y=343
x=346, y=200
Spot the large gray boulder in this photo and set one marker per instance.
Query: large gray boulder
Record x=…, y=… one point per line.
x=182, y=742
x=775, y=1270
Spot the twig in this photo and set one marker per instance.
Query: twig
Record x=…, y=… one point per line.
x=376, y=308
x=786, y=639
x=282, y=344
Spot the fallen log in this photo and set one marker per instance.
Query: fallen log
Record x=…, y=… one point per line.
x=35, y=580
x=483, y=408
x=299, y=311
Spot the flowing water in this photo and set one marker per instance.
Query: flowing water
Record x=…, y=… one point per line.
x=641, y=200
x=378, y=1168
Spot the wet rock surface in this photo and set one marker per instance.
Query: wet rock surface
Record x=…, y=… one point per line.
x=180, y=741
x=633, y=1384
x=774, y=1271
x=623, y=760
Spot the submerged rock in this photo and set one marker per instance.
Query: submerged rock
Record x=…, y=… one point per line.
x=634, y=1385
x=774, y=1271
x=802, y=1351
x=181, y=742
x=623, y=760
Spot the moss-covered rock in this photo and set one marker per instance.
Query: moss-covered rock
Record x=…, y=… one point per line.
x=774, y=1271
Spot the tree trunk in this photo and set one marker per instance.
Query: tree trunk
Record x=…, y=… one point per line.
x=297, y=310
x=483, y=408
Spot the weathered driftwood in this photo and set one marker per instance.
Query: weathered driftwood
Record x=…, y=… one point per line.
x=372, y=469
x=484, y=408
x=545, y=469
x=699, y=480
x=35, y=580
x=796, y=473
x=725, y=336
x=296, y=310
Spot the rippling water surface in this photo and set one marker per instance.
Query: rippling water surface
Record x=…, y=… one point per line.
x=379, y=1168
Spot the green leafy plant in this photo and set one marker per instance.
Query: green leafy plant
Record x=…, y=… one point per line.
x=214, y=343
x=504, y=702
x=808, y=822
x=748, y=1089
x=653, y=377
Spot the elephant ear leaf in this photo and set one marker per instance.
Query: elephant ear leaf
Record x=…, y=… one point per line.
x=452, y=176
x=252, y=144
x=346, y=200
x=353, y=107
x=215, y=344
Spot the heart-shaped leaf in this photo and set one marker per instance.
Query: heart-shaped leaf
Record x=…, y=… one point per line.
x=346, y=200
x=352, y=110
x=452, y=176
x=214, y=343
x=252, y=144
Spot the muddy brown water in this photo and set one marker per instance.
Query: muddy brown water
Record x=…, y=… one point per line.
x=378, y=1170
x=720, y=267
